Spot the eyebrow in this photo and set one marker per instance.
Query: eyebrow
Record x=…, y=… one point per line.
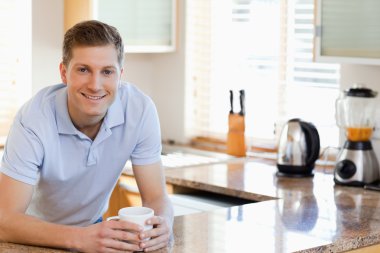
x=88, y=66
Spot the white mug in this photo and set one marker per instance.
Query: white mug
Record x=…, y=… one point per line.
x=135, y=214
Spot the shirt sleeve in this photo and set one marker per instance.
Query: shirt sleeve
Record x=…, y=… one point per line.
x=148, y=147
x=23, y=154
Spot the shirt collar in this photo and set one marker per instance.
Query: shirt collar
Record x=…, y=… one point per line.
x=115, y=113
x=114, y=116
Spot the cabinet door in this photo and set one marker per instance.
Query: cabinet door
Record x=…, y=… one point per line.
x=145, y=25
x=348, y=31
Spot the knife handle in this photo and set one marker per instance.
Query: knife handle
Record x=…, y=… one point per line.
x=242, y=102
x=232, y=102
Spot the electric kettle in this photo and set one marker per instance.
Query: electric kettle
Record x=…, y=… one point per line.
x=298, y=149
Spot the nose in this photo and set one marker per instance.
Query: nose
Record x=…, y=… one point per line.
x=95, y=82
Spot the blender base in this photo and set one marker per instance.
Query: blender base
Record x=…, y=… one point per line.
x=352, y=183
x=356, y=165
x=282, y=174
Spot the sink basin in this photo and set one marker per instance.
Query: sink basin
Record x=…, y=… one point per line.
x=179, y=156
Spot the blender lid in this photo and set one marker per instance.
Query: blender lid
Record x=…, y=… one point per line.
x=360, y=92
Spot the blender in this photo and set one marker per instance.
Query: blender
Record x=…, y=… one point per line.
x=357, y=164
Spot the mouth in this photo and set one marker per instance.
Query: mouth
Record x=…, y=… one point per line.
x=93, y=97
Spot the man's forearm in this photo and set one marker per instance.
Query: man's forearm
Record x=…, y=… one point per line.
x=24, y=229
x=162, y=207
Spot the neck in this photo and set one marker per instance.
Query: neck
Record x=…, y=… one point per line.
x=89, y=125
x=91, y=130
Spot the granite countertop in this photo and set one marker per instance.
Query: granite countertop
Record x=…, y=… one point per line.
x=291, y=215
x=294, y=214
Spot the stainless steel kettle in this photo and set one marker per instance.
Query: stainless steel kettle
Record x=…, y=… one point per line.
x=298, y=149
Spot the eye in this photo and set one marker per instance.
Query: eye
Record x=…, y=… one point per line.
x=82, y=69
x=107, y=72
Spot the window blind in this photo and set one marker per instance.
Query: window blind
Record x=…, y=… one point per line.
x=266, y=48
x=198, y=30
x=15, y=51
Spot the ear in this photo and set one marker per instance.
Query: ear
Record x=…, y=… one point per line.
x=121, y=74
x=63, y=71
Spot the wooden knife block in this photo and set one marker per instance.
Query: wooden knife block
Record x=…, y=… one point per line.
x=236, y=135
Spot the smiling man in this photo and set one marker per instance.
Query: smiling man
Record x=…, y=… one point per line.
x=68, y=146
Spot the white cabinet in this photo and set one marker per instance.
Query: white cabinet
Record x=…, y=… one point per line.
x=147, y=26
x=348, y=31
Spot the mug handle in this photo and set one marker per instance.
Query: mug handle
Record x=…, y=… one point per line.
x=113, y=218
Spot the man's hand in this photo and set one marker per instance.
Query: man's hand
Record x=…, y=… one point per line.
x=110, y=236
x=160, y=234
x=151, y=183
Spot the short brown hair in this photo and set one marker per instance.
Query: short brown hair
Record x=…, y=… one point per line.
x=91, y=33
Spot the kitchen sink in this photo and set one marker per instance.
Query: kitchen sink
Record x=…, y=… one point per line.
x=194, y=201
x=174, y=156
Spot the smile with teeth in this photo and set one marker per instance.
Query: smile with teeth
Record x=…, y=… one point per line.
x=93, y=97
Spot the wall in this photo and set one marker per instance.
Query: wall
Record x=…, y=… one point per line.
x=47, y=36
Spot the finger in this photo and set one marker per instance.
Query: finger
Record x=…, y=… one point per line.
x=155, y=220
x=155, y=232
x=123, y=225
x=126, y=236
x=163, y=238
x=111, y=245
x=155, y=247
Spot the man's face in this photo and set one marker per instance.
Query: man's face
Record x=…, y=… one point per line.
x=92, y=78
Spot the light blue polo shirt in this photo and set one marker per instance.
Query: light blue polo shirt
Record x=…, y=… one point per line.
x=73, y=175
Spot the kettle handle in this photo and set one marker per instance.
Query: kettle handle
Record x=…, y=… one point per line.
x=313, y=142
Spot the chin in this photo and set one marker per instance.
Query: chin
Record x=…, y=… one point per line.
x=96, y=114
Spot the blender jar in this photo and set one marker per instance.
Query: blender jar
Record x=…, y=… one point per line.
x=355, y=112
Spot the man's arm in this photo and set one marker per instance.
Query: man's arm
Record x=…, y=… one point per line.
x=151, y=183
x=17, y=227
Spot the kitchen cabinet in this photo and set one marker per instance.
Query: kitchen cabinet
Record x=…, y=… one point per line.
x=126, y=194
x=146, y=26
x=369, y=249
x=347, y=31
x=121, y=198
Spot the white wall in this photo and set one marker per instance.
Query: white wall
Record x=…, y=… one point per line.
x=47, y=36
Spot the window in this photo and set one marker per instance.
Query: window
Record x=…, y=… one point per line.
x=266, y=48
x=15, y=55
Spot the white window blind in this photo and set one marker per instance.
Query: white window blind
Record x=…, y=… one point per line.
x=264, y=47
x=15, y=52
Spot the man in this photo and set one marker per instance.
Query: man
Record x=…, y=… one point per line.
x=68, y=146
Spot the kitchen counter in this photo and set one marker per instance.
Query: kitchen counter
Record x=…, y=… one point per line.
x=295, y=214
x=291, y=215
